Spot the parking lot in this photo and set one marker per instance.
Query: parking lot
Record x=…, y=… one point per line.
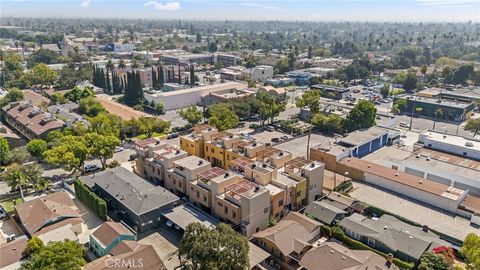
x=436, y=219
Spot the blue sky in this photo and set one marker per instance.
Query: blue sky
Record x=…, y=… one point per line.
x=324, y=10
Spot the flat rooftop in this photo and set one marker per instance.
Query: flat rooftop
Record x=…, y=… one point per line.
x=185, y=214
x=404, y=178
x=454, y=164
x=363, y=136
x=447, y=103
x=209, y=88
x=191, y=162
x=453, y=139
x=274, y=190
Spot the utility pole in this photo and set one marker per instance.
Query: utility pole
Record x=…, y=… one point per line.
x=413, y=110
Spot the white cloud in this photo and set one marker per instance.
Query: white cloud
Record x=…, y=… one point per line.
x=449, y=3
x=170, y=6
x=85, y=3
x=260, y=5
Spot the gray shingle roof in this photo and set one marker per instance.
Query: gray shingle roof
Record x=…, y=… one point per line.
x=323, y=211
x=129, y=189
x=394, y=233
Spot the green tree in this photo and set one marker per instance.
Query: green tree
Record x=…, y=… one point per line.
x=362, y=115
x=105, y=124
x=411, y=81
x=42, y=74
x=90, y=106
x=471, y=251
x=385, y=91
x=16, y=177
x=12, y=69
x=17, y=155
x=331, y=124
x=70, y=154
x=310, y=100
x=192, y=115
x=473, y=125
x=101, y=147
x=160, y=108
x=220, y=248
x=395, y=109
x=58, y=98
x=64, y=255
x=13, y=95
x=34, y=245
x=77, y=93
x=4, y=149
x=462, y=74
x=37, y=147
x=150, y=125
x=432, y=261
x=401, y=104
x=222, y=117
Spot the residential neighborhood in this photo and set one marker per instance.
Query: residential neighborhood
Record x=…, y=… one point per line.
x=132, y=141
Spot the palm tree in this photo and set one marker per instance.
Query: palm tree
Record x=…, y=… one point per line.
x=16, y=45
x=22, y=44
x=121, y=64
x=16, y=178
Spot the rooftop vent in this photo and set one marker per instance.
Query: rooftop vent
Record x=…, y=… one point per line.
x=264, y=165
x=257, y=188
x=428, y=158
x=253, y=166
x=254, y=144
x=231, y=136
x=417, y=156
x=177, y=152
x=469, y=143
x=280, y=154
x=397, y=174
x=200, y=162
x=312, y=165
x=227, y=174
x=369, y=165
x=420, y=181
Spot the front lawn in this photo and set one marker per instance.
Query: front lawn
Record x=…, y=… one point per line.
x=8, y=205
x=155, y=134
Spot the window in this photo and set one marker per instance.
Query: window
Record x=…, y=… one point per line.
x=371, y=242
x=257, y=229
x=266, y=210
x=198, y=194
x=280, y=203
x=213, y=150
x=220, y=204
x=234, y=215
x=204, y=198
x=464, y=153
x=206, y=148
x=225, y=210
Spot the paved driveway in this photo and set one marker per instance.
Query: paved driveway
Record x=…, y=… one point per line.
x=436, y=219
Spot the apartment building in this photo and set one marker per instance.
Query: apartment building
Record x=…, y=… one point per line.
x=227, y=59
x=246, y=205
x=29, y=120
x=193, y=143
x=184, y=171
x=155, y=159
x=203, y=191
x=259, y=73
x=215, y=149
x=243, y=148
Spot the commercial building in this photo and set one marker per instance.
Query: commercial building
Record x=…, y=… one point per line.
x=53, y=212
x=226, y=60
x=300, y=77
x=233, y=73
x=108, y=235
x=433, y=193
x=199, y=59
x=388, y=234
x=461, y=94
x=130, y=198
x=192, y=96
x=332, y=91
x=356, y=144
x=288, y=240
x=450, y=143
x=259, y=73
x=29, y=120
x=120, y=47
x=226, y=95
x=444, y=109
x=441, y=167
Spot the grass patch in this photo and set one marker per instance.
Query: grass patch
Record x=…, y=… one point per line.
x=155, y=134
x=8, y=205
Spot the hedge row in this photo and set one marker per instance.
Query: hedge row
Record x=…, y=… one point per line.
x=375, y=211
x=337, y=233
x=344, y=187
x=90, y=199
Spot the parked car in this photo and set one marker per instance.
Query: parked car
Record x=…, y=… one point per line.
x=275, y=140
x=172, y=136
x=284, y=137
x=132, y=157
x=3, y=213
x=118, y=149
x=269, y=128
x=404, y=124
x=91, y=168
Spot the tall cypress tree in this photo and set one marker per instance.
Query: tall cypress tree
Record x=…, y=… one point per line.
x=161, y=78
x=192, y=75
x=109, y=84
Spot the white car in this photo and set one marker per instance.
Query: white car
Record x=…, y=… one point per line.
x=118, y=149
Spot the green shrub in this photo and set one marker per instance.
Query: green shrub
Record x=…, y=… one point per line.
x=344, y=187
x=90, y=199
